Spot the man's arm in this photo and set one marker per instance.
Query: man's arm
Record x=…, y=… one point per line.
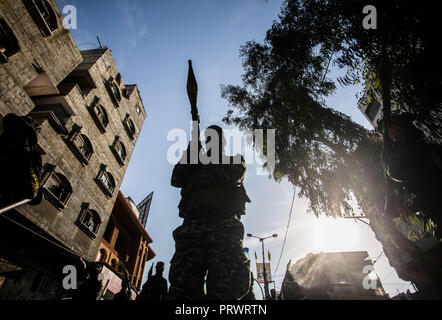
x=182, y=171
x=228, y=175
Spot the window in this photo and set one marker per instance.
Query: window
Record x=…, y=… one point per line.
x=122, y=244
x=116, y=91
x=119, y=150
x=102, y=115
x=138, y=109
x=57, y=189
x=43, y=15
x=118, y=79
x=84, y=145
x=373, y=109
x=99, y=115
x=106, y=182
x=80, y=145
x=55, y=113
x=113, y=90
x=57, y=109
x=102, y=255
x=89, y=221
x=129, y=126
x=8, y=42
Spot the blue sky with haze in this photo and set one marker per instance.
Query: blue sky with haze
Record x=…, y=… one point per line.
x=151, y=42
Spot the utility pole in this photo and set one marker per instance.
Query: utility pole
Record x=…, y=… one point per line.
x=266, y=283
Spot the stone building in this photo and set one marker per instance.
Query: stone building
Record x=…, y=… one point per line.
x=89, y=122
x=124, y=247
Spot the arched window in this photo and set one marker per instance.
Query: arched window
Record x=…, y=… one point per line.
x=84, y=145
x=129, y=126
x=114, y=90
x=119, y=150
x=43, y=15
x=79, y=144
x=48, y=14
x=105, y=181
x=90, y=220
x=102, y=255
x=8, y=42
x=114, y=263
x=122, y=243
x=102, y=115
x=108, y=181
x=57, y=189
x=99, y=114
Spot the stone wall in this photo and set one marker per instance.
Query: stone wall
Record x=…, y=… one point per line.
x=62, y=224
x=57, y=55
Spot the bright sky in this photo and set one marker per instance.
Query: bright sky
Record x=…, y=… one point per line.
x=151, y=42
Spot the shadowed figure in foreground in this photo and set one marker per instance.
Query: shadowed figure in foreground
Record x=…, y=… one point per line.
x=155, y=287
x=91, y=288
x=209, y=243
x=124, y=294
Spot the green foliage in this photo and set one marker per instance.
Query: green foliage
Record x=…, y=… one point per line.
x=285, y=84
x=414, y=227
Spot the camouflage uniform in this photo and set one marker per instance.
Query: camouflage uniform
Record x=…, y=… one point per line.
x=209, y=242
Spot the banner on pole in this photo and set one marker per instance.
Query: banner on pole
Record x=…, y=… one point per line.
x=260, y=272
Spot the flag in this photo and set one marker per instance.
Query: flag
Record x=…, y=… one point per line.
x=260, y=272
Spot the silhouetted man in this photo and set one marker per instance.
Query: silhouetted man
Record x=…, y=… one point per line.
x=91, y=288
x=208, y=245
x=124, y=294
x=155, y=287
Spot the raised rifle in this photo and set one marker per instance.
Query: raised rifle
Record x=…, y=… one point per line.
x=192, y=93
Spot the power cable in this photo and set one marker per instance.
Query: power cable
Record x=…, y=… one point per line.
x=382, y=252
x=286, y=230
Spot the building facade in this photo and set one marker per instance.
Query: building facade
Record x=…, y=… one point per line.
x=88, y=123
x=372, y=110
x=124, y=248
x=334, y=276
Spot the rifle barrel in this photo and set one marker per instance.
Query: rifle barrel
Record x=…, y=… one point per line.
x=192, y=92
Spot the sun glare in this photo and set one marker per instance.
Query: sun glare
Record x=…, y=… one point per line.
x=335, y=235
